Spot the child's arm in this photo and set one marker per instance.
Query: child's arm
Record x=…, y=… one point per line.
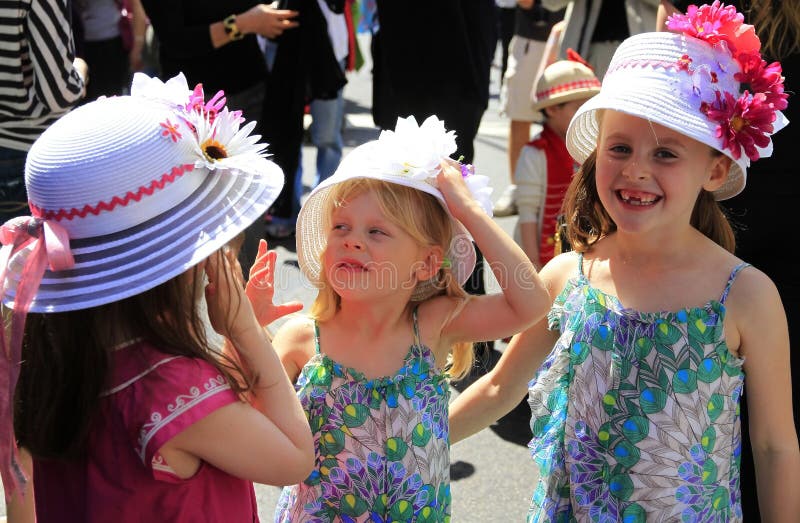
x=665, y=9
x=531, y=176
x=757, y=311
x=501, y=389
x=293, y=334
x=524, y=298
x=550, y=53
x=270, y=441
x=529, y=241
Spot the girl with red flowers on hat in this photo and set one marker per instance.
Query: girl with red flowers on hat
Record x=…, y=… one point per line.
x=655, y=324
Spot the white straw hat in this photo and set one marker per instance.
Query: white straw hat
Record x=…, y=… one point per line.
x=130, y=191
x=411, y=156
x=691, y=82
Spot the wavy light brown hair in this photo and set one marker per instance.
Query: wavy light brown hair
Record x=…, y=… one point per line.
x=777, y=24
x=420, y=215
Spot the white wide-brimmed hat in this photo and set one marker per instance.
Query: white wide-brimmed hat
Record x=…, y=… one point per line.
x=410, y=155
x=690, y=80
x=128, y=192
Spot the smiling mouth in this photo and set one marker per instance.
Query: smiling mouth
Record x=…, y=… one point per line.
x=351, y=266
x=637, y=198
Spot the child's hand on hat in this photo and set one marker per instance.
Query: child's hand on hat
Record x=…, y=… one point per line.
x=260, y=288
x=450, y=182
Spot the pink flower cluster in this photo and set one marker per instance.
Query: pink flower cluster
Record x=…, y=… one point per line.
x=208, y=109
x=745, y=121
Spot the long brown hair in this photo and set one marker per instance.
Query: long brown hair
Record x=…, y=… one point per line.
x=421, y=216
x=777, y=24
x=587, y=220
x=66, y=360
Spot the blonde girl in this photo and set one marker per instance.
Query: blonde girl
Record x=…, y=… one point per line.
x=388, y=241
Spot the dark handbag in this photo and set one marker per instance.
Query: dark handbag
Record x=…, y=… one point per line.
x=560, y=243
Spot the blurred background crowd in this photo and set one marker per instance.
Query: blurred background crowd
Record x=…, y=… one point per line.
x=286, y=65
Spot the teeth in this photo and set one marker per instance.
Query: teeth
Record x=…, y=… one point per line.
x=629, y=198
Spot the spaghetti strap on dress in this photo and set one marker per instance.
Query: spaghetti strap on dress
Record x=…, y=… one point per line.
x=635, y=415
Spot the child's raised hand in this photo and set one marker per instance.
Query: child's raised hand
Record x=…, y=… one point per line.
x=450, y=181
x=260, y=288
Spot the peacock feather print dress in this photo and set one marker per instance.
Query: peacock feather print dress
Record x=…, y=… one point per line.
x=382, y=445
x=635, y=416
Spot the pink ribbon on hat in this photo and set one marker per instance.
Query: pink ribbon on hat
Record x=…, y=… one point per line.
x=50, y=248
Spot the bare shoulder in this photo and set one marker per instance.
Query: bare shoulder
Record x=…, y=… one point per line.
x=294, y=343
x=558, y=271
x=433, y=313
x=755, y=316
x=295, y=331
x=752, y=290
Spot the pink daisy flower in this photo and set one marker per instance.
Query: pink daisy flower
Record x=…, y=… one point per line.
x=744, y=124
x=198, y=104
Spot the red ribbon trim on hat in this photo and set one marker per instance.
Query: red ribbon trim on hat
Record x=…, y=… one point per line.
x=50, y=248
x=569, y=86
x=130, y=196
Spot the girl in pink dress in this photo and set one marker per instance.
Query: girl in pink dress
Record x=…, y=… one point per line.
x=128, y=409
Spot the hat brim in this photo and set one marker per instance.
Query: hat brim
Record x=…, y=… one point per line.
x=119, y=265
x=585, y=128
x=312, y=236
x=560, y=98
x=638, y=84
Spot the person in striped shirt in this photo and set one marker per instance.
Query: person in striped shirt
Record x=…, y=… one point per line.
x=40, y=81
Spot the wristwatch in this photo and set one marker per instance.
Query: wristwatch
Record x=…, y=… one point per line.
x=231, y=29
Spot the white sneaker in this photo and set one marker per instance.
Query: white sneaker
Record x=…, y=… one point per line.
x=506, y=205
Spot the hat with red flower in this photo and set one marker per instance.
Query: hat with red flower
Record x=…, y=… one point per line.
x=705, y=78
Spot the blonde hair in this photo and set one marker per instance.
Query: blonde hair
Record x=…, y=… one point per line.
x=421, y=216
x=777, y=25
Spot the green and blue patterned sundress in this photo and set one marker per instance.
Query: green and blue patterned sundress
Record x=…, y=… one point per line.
x=635, y=416
x=382, y=445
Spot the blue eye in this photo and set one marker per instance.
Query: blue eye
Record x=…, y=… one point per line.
x=377, y=231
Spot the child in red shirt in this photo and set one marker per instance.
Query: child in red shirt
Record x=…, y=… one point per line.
x=545, y=168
